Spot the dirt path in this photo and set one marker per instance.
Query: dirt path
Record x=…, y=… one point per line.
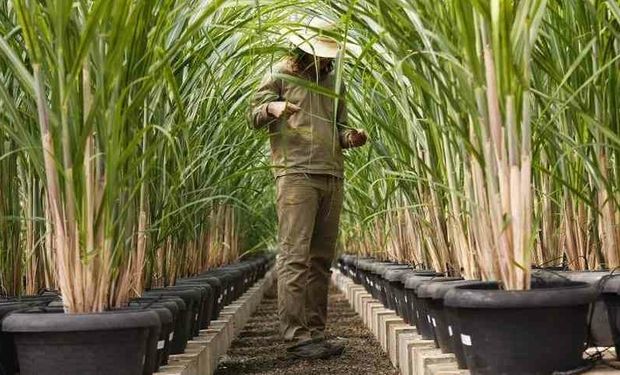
x=259, y=350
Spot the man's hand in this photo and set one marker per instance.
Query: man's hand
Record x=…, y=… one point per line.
x=282, y=109
x=357, y=138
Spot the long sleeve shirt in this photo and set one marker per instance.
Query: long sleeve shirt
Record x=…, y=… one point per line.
x=310, y=140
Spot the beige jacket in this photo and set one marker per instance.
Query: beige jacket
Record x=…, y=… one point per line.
x=311, y=140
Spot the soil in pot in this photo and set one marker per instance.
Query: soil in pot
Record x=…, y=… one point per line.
x=531, y=332
x=77, y=344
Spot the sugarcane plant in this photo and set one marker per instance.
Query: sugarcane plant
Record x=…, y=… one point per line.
x=493, y=120
x=111, y=112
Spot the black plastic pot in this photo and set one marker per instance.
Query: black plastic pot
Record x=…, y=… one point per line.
x=424, y=322
x=78, y=344
x=600, y=331
x=192, y=298
x=356, y=268
x=445, y=329
x=215, y=299
x=395, y=290
x=8, y=354
x=204, y=301
x=228, y=281
x=344, y=264
x=207, y=303
x=537, y=331
x=158, y=345
x=611, y=296
x=376, y=270
x=415, y=314
x=182, y=322
x=388, y=295
x=239, y=274
x=363, y=274
x=36, y=300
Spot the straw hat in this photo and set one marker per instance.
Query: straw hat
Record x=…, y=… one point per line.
x=313, y=39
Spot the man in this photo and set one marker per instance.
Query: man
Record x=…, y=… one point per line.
x=307, y=129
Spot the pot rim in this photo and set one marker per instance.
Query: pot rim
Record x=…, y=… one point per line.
x=395, y=274
x=439, y=290
x=605, y=280
x=576, y=293
x=41, y=322
x=426, y=288
x=413, y=281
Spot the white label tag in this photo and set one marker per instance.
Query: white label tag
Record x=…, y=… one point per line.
x=434, y=323
x=450, y=330
x=405, y=299
x=171, y=336
x=417, y=314
x=428, y=317
x=196, y=317
x=466, y=339
x=232, y=288
x=160, y=344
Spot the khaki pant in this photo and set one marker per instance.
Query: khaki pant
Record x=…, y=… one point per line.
x=308, y=214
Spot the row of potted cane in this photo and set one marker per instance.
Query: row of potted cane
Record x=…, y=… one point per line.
x=37, y=337
x=491, y=331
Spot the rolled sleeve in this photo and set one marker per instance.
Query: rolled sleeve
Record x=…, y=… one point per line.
x=268, y=91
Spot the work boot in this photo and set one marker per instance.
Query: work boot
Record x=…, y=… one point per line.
x=336, y=348
x=303, y=343
x=315, y=349
x=317, y=334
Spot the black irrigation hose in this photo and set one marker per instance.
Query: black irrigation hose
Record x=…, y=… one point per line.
x=541, y=265
x=44, y=290
x=580, y=370
x=555, y=273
